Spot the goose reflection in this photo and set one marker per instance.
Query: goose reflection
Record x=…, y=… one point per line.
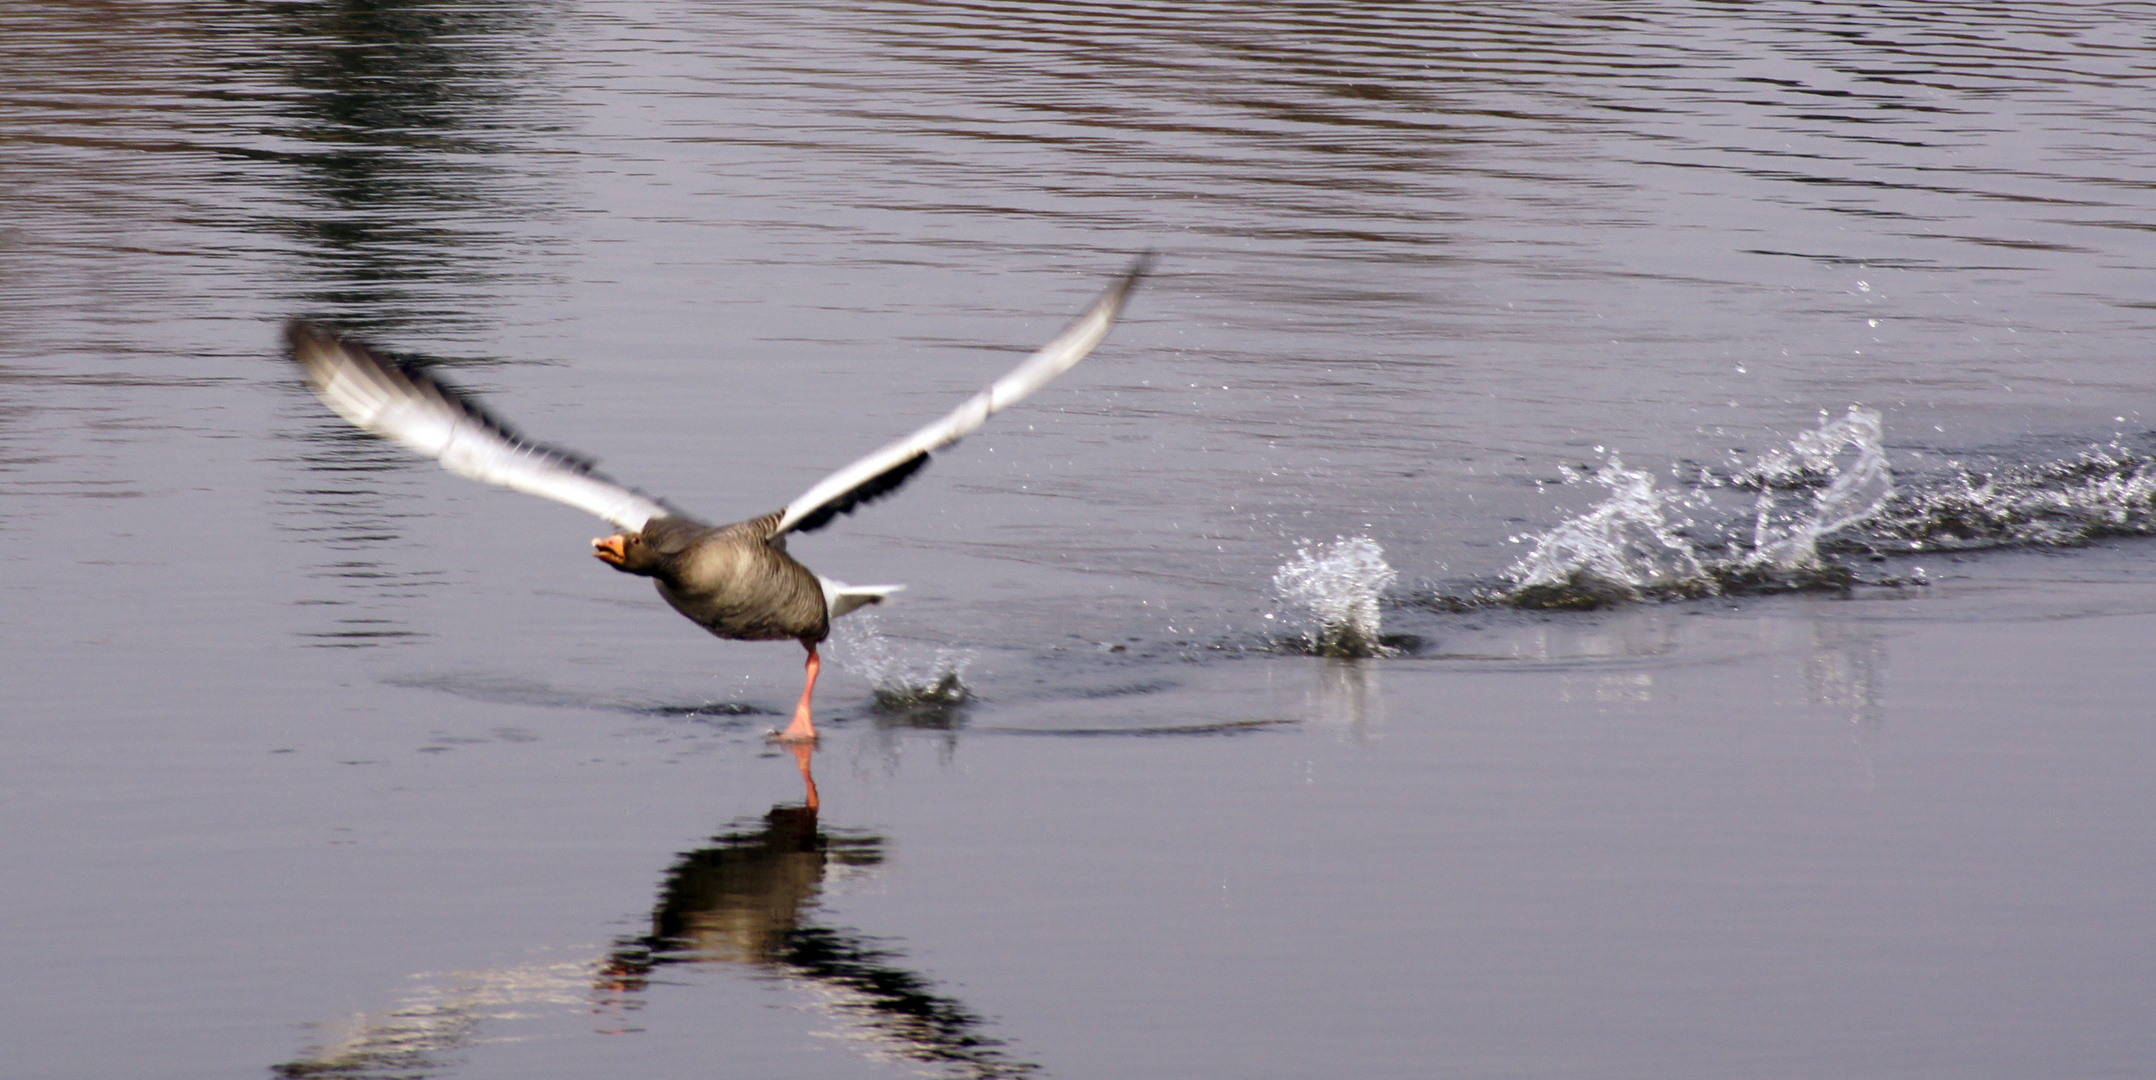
x=750, y=898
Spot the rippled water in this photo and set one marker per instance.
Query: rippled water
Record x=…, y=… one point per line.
x=1727, y=422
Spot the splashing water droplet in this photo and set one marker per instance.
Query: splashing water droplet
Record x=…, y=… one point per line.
x=1632, y=545
x=1624, y=545
x=901, y=678
x=1340, y=585
x=1789, y=540
x=2103, y=491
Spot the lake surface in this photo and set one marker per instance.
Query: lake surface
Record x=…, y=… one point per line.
x=1728, y=431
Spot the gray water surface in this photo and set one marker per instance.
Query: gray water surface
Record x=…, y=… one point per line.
x=324, y=762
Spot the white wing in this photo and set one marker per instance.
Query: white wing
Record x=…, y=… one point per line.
x=882, y=472
x=409, y=407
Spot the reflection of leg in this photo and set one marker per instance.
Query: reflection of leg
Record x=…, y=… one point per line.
x=803, y=729
x=803, y=753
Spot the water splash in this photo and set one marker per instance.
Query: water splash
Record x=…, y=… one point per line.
x=1642, y=542
x=1624, y=548
x=2103, y=491
x=1340, y=585
x=1786, y=537
x=1830, y=488
x=902, y=678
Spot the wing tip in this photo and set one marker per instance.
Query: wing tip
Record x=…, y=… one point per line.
x=1111, y=302
x=1141, y=267
x=306, y=341
x=312, y=344
x=300, y=331
x=302, y=335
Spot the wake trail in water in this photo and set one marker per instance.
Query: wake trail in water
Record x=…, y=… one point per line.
x=1640, y=542
x=1831, y=487
x=2103, y=491
x=1800, y=517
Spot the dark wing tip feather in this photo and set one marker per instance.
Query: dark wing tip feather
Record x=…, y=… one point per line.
x=867, y=491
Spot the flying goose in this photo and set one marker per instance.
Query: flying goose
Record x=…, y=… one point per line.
x=736, y=581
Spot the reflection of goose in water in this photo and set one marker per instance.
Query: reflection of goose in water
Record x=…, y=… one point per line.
x=747, y=898
x=442, y=1013
x=736, y=581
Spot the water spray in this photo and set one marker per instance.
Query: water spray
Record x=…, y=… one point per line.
x=1340, y=585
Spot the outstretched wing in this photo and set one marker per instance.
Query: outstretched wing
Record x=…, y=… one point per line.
x=411, y=408
x=882, y=472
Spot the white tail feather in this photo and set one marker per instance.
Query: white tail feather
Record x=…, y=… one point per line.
x=840, y=598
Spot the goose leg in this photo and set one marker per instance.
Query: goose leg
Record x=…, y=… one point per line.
x=803, y=752
x=803, y=729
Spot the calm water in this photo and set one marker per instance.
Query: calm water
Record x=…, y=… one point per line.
x=323, y=762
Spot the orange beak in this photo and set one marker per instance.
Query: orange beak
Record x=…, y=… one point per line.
x=610, y=550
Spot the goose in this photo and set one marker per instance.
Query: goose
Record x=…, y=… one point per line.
x=737, y=581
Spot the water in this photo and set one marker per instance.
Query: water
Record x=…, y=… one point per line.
x=1749, y=404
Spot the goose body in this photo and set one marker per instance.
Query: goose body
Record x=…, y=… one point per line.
x=737, y=581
